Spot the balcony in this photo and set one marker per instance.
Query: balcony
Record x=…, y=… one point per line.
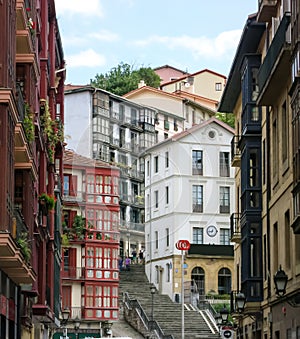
x=235, y=152
x=266, y=10
x=276, y=65
x=211, y=250
x=13, y=258
x=235, y=227
x=129, y=226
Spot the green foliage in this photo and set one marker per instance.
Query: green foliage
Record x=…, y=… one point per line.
x=53, y=129
x=23, y=243
x=48, y=200
x=78, y=226
x=228, y=118
x=123, y=79
x=28, y=124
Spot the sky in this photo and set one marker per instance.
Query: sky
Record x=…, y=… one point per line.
x=192, y=35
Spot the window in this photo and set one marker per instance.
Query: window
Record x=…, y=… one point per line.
x=167, y=159
x=197, y=158
x=218, y=86
x=197, y=198
x=166, y=136
x=224, y=236
x=224, y=281
x=166, y=124
x=70, y=185
x=224, y=199
x=156, y=199
x=284, y=132
x=167, y=237
x=224, y=164
x=167, y=195
x=175, y=125
x=148, y=168
x=168, y=268
x=156, y=239
x=156, y=164
x=197, y=235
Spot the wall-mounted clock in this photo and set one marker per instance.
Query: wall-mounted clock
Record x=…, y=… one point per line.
x=211, y=230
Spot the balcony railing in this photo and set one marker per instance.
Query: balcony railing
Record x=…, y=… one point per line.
x=132, y=226
x=277, y=61
x=235, y=227
x=211, y=250
x=77, y=197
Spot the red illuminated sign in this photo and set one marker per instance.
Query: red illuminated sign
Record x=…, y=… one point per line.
x=183, y=245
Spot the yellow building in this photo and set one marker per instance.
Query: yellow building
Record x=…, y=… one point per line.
x=262, y=91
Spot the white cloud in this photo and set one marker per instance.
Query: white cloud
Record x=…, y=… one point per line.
x=104, y=35
x=200, y=47
x=88, y=58
x=88, y=7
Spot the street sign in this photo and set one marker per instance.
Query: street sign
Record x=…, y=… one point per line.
x=183, y=245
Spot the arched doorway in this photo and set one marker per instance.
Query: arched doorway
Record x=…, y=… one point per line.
x=224, y=281
x=198, y=280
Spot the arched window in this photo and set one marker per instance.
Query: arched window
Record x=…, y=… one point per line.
x=198, y=279
x=224, y=281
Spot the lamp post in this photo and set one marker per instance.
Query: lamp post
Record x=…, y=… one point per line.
x=107, y=325
x=224, y=313
x=280, y=281
x=65, y=317
x=152, y=290
x=76, y=326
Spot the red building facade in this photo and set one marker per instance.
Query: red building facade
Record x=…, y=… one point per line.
x=31, y=147
x=90, y=274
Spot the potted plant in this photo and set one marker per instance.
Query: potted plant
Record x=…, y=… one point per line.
x=23, y=243
x=78, y=226
x=48, y=201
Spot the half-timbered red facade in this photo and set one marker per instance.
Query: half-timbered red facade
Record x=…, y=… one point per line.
x=90, y=241
x=31, y=147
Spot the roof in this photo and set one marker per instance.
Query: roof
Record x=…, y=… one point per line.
x=171, y=95
x=189, y=131
x=192, y=75
x=151, y=89
x=73, y=158
x=168, y=66
x=248, y=44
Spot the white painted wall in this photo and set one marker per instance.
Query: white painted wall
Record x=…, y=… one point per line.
x=177, y=215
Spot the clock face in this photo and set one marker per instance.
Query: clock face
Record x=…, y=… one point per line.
x=211, y=230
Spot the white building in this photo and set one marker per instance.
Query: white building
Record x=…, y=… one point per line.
x=189, y=194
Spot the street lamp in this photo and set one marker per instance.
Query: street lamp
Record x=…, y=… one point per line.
x=65, y=317
x=240, y=301
x=152, y=290
x=224, y=314
x=76, y=326
x=107, y=325
x=280, y=280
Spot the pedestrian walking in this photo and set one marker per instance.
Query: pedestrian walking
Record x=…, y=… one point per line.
x=133, y=256
x=120, y=263
x=141, y=257
x=127, y=263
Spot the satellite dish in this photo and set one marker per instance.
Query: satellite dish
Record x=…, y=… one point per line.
x=187, y=84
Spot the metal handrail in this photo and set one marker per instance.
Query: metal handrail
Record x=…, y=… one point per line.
x=150, y=324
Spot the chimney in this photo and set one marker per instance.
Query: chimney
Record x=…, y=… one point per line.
x=141, y=84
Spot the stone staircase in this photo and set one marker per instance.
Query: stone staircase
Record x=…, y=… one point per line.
x=166, y=313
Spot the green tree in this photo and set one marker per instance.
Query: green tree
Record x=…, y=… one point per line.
x=228, y=118
x=123, y=79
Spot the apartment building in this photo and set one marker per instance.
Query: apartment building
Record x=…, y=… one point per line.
x=262, y=91
x=187, y=110
x=32, y=115
x=106, y=127
x=189, y=194
x=90, y=271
